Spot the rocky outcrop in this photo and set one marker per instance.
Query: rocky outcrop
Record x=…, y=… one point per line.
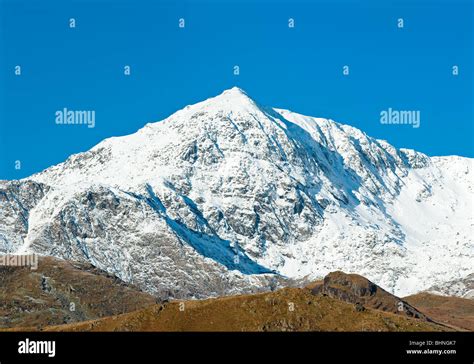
x=361, y=292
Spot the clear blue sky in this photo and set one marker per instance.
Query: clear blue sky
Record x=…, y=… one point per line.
x=299, y=69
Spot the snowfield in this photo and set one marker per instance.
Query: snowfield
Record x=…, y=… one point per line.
x=227, y=196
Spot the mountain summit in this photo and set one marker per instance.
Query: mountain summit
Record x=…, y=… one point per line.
x=227, y=196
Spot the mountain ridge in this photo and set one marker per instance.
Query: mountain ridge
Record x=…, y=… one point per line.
x=65, y=296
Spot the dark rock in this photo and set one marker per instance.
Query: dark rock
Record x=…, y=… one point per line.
x=361, y=292
x=359, y=307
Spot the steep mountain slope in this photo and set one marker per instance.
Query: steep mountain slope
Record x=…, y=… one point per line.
x=221, y=195
x=61, y=292
x=458, y=287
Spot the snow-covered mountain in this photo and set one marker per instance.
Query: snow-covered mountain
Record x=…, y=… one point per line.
x=228, y=196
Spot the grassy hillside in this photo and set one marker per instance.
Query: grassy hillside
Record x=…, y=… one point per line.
x=60, y=292
x=288, y=309
x=454, y=311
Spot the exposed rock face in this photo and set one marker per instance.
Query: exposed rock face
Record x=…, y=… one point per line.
x=17, y=198
x=463, y=287
x=227, y=196
x=360, y=291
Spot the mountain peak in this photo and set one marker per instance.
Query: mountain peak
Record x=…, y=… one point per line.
x=236, y=91
x=232, y=98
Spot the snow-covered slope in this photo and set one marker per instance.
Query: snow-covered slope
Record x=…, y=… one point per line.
x=223, y=193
